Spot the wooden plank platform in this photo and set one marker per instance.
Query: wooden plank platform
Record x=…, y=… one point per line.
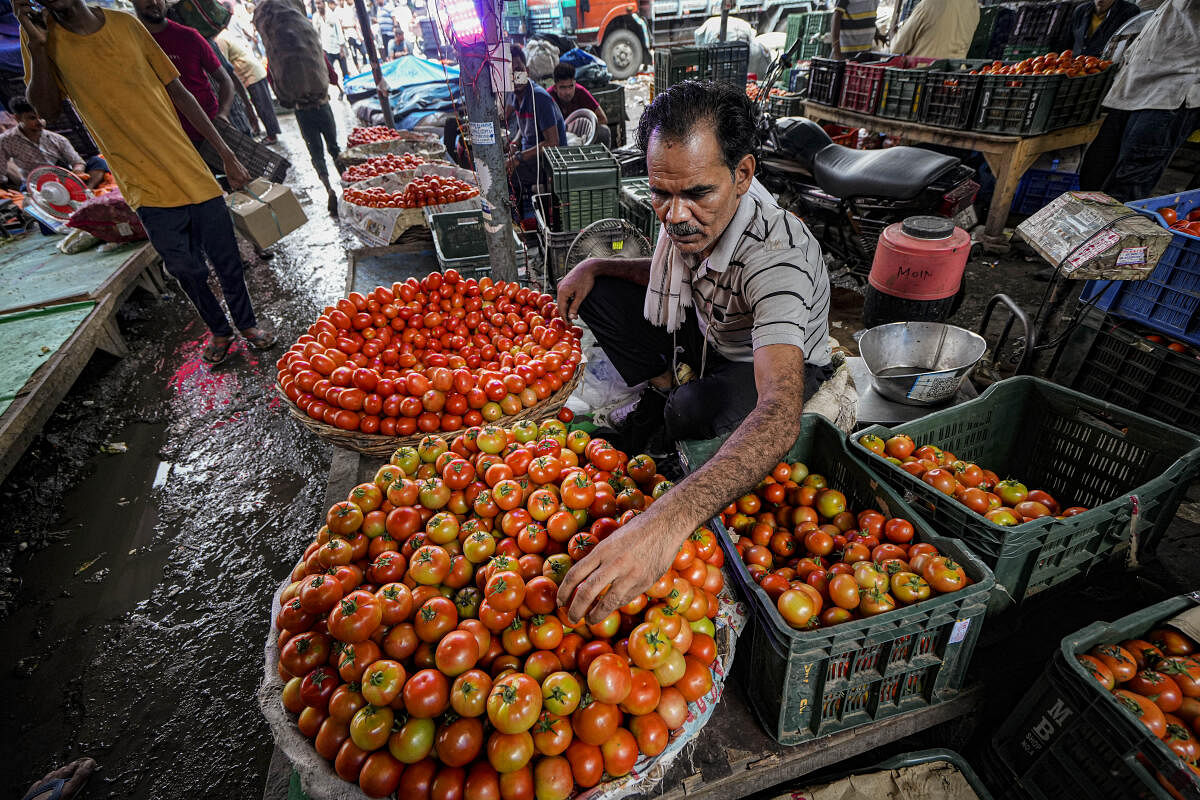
x=36, y=401
x=33, y=274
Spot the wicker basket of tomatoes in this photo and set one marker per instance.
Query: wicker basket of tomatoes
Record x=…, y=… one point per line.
x=418, y=640
x=380, y=209
x=825, y=657
x=1101, y=471
x=379, y=371
x=1116, y=714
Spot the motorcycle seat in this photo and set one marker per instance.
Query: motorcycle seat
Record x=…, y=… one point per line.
x=894, y=173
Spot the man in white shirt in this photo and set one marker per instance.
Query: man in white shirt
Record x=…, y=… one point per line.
x=348, y=18
x=1154, y=102
x=333, y=41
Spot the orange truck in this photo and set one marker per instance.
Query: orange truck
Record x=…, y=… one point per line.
x=625, y=32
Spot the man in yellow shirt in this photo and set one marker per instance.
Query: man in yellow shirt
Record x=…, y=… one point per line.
x=938, y=29
x=127, y=91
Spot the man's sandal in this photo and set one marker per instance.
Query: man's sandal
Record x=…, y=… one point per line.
x=263, y=340
x=217, y=351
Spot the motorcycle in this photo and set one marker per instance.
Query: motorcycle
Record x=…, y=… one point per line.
x=847, y=196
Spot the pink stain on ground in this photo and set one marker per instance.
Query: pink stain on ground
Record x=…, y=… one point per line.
x=195, y=381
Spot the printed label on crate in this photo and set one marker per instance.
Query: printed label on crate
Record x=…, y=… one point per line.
x=1100, y=244
x=483, y=132
x=1131, y=256
x=959, y=632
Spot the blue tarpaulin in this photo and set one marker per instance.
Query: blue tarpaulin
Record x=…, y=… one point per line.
x=413, y=104
x=404, y=72
x=10, y=41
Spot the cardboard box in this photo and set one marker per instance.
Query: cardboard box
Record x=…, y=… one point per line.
x=265, y=212
x=1095, y=236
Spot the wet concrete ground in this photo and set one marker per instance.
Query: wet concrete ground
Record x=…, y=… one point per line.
x=134, y=584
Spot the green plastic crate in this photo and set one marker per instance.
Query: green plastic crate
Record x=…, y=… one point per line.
x=810, y=27
x=459, y=243
x=578, y=209
x=676, y=64
x=1079, y=98
x=808, y=684
x=982, y=38
x=720, y=61
x=1020, y=52
x=636, y=207
x=1083, y=451
x=573, y=169
x=1071, y=739
x=1018, y=105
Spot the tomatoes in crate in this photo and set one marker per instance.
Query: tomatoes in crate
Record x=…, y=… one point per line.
x=823, y=563
x=1156, y=680
x=1002, y=502
x=440, y=354
x=1064, y=63
x=424, y=190
x=446, y=664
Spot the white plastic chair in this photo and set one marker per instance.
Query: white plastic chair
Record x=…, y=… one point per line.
x=581, y=127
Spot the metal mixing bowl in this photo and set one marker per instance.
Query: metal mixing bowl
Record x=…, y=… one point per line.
x=920, y=363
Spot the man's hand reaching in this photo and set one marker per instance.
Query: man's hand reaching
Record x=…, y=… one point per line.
x=621, y=567
x=574, y=287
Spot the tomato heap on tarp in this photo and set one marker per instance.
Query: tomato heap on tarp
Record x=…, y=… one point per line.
x=1003, y=502
x=382, y=165
x=375, y=133
x=821, y=563
x=421, y=191
x=442, y=353
x=422, y=644
x=1157, y=680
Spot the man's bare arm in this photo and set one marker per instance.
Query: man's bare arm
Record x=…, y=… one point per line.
x=579, y=281
x=186, y=104
x=637, y=554
x=225, y=92
x=42, y=88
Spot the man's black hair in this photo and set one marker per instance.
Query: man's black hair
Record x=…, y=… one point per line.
x=517, y=52
x=564, y=72
x=21, y=105
x=675, y=113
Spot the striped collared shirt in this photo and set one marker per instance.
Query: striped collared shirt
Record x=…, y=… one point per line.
x=764, y=283
x=858, y=24
x=52, y=148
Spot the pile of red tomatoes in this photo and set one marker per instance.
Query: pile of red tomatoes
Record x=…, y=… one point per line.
x=1157, y=680
x=440, y=354
x=420, y=639
x=1003, y=502
x=821, y=563
x=381, y=165
x=424, y=190
x=375, y=133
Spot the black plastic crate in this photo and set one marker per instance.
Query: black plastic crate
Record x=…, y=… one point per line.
x=785, y=105
x=636, y=207
x=900, y=97
x=950, y=93
x=1040, y=24
x=825, y=80
x=611, y=99
x=1070, y=738
x=981, y=40
x=258, y=159
x=1018, y=105
x=1078, y=101
x=1126, y=367
x=1020, y=52
x=676, y=64
x=727, y=61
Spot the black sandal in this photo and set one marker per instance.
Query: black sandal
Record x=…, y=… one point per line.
x=216, y=352
x=264, y=340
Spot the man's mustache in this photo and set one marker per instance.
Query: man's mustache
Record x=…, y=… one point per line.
x=682, y=229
